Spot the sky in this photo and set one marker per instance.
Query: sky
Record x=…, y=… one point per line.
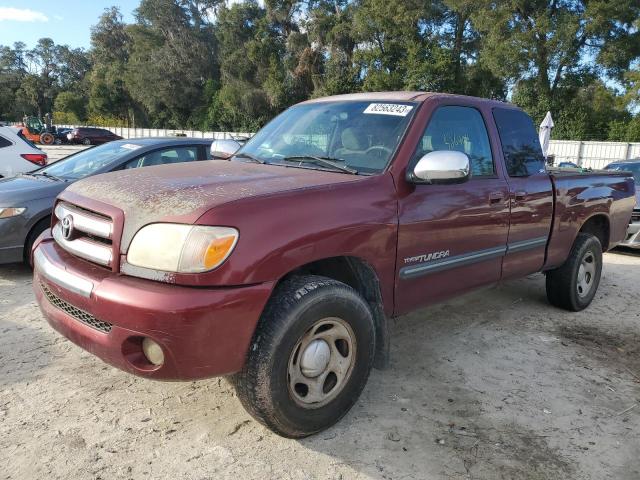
x=67, y=22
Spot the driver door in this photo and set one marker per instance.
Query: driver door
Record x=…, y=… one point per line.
x=452, y=238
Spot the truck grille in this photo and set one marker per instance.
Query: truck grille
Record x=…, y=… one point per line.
x=83, y=233
x=635, y=217
x=74, y=312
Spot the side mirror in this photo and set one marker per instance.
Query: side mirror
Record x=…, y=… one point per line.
x=441, y=166
x=224, y=149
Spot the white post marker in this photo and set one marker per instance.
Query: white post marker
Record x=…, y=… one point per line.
x=544, y=133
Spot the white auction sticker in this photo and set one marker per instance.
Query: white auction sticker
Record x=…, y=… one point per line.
x=396, y=109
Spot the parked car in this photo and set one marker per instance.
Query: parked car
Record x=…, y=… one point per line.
x=26, y=201
x=18, y=155
x=633, y=233
x=91, y=136
x=280, y=267
x=568, y=165
x=62, y=136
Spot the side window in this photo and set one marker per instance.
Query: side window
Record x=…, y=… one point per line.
x=4, y=142
x=165, y=157
x=461, y=129
x=520, y=143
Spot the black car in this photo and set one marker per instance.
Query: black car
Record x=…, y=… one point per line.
x=60, y=135
x=26, y=201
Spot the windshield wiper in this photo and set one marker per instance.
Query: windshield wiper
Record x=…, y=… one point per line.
x=322, y=161
x=43, y=174
x=250, y=157
x=48, y=175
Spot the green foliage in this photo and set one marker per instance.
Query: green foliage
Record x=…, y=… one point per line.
x=212, y=64
x=65, y=118
x=72, y=104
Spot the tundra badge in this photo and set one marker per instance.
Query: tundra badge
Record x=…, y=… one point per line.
x=427, y=257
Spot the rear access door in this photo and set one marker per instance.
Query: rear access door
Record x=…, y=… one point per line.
x=530, y=193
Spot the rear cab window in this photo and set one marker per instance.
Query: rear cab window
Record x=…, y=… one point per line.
x=520, y=143
x=4, y=142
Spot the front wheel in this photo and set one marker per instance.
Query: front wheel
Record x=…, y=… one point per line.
x=86, y=141
x=310, y=356
x=573, y=285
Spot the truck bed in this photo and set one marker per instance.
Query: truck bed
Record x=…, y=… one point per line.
x=581, y=195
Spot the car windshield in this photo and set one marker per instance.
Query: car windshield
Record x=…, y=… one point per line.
x=347, y=136
x=627, y=167
x=87, y=162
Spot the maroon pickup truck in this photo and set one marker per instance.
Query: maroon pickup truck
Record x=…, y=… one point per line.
x=280, y=267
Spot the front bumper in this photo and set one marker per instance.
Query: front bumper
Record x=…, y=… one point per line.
x=13, y=234
x=204, y=332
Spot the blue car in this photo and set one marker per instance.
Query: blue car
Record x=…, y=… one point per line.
x=26, y=201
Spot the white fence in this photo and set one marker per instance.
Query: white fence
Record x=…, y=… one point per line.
x=592, y=154
x=164, y=132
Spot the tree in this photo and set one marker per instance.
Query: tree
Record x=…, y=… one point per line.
x=108, y=96
x=173, y=51
x=546, y=43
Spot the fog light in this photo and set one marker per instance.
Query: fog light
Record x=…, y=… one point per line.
x=152, y=351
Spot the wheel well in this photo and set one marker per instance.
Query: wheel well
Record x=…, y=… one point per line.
x=360, y=276
x=30, y=236
x=598, y=226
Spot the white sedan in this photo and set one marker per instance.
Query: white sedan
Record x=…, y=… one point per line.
x=18, y=155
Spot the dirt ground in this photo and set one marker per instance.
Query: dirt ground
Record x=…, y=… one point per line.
x=496, y=384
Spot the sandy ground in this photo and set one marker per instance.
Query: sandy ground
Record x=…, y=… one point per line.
x=497, y=384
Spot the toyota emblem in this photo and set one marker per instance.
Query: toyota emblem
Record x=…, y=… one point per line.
x=67, y=227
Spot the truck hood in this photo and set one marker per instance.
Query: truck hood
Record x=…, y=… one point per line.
x=184, y=192
x=17, y=191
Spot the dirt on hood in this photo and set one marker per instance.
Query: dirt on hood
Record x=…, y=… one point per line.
x=184, y=192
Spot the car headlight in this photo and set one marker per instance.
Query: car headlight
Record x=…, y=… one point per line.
x=8, y=212
x=172, y=247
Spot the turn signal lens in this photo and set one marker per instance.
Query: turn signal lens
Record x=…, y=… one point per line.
x=217, y=251
x=11, y=212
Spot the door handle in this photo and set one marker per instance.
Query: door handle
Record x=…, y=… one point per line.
x=519, y=196
x=496, y=197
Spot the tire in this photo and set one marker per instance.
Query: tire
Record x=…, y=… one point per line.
x=302, y=313
x=46, y=139
x=35, y=232
x=571, y=287
x=58, y=141
x=86, y=141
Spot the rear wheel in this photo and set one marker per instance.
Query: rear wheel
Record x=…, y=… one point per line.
x=47, y=139
x=310, y=357
x=573, y=285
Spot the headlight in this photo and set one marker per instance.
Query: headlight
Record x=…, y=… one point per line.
x=180, y=248
x=8, y=212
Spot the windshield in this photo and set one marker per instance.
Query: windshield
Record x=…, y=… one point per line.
x=627, y=167
x=88, y=161
x=357, y=137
